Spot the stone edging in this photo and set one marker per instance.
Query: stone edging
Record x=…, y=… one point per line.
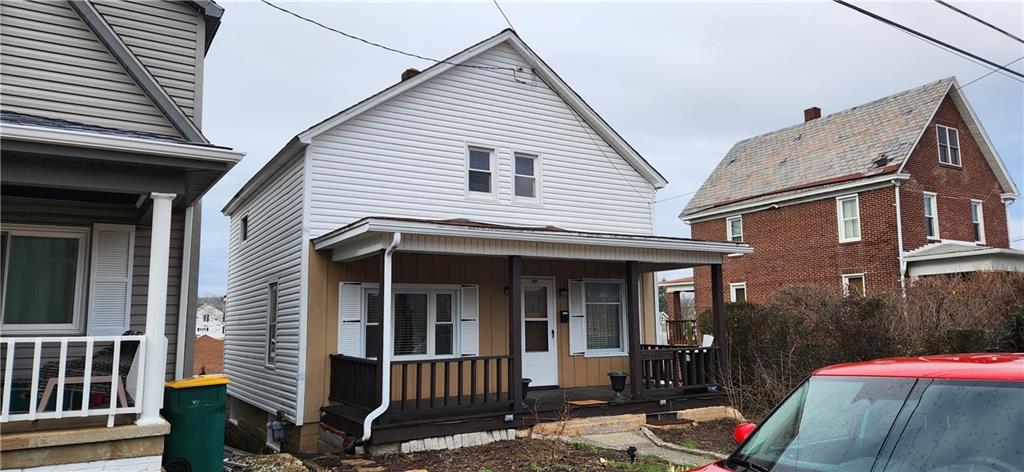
x=667, y=445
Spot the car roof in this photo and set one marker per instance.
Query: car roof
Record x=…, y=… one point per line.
x=948, y=366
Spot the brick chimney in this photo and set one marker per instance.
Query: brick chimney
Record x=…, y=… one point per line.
x=812, y=113
x=409, y=73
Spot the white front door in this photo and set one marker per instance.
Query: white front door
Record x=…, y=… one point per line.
x=540, y=345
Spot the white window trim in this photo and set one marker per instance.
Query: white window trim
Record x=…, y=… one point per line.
x=537, y=182
x=233, y=410
x=981, y=220
x=732, y=291
x=81, y=281
x=846, y=283
x=493, y=169
x=267, y=362
x=623, y=330
x=431, y=290
x=840, y=218
x=728, y=227
x=934, y=216
x=938, y=146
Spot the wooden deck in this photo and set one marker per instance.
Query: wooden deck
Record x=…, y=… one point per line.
x=540, y=405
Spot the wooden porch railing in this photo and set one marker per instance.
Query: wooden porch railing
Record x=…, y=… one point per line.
x=675, y=366
x=682, y=332
x=354, y=381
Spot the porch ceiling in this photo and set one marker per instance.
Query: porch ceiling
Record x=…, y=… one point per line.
x=370, y=235
x=953, y=258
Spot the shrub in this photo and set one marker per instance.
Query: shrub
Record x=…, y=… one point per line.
x=773, y=347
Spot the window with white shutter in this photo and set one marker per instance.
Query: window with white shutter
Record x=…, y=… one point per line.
x=350, y=316
x=577, y=319
x=110, y=279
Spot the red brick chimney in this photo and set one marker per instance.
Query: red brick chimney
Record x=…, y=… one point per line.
x=812, y=113
x=409, y=73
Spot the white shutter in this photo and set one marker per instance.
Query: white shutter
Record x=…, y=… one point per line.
x=469, y=321
x=110, y=279
x=577, y=319
x=350, y=326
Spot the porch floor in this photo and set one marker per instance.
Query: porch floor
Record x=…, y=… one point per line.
x=545, y=404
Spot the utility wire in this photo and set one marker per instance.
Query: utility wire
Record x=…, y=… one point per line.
x=675, y=197
x=925, y=37
x=979, y=20
x=993, y=71
x=378, y=45
x=513, y=28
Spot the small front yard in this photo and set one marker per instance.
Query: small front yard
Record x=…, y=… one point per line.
x=713, y=436
x=509, y=456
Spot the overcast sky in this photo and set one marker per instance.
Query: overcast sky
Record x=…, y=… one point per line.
x=680, y=81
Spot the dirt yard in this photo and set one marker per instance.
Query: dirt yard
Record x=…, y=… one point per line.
x=507, y=456
x=714, y=436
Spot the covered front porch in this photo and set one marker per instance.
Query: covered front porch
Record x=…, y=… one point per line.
x=476, y=308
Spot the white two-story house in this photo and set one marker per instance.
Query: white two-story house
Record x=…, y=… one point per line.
x=399, y=269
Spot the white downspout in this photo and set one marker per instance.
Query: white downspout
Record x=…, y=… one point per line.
x=899, y=241
x=386, y=348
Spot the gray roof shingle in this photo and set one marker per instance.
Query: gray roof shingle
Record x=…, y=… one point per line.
x=843, y=145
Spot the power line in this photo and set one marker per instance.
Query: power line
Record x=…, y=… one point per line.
x=378, y=45
x=993, y=71
x=675, y=197
x=925, y=37
x=504, y=15
x=979, y=20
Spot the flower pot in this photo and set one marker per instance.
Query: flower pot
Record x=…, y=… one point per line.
x=618, y=385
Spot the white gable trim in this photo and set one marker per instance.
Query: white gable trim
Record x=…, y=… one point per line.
x=980, y=137
x=540, y=68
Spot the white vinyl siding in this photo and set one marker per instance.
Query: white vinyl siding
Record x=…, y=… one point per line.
x=949, y=145
x=931, y=215
x=734, y=228
x=978, y=221
x=408, y=157
x=848, y=211
x=54, y=66
x=272, y=253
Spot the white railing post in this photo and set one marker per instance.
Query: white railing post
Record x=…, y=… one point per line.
x=153, y=370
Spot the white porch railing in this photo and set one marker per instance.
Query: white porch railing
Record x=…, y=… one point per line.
x=28, y=376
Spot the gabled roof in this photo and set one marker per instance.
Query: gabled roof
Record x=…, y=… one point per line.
x=507, y=36
x=862, y=142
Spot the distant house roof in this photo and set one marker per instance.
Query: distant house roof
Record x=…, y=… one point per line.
x=869, y=140
x=681, y=280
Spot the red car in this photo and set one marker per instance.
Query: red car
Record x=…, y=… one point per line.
x=938, y=413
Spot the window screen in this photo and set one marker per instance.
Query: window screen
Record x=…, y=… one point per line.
x=410, y=324
x=526, y=179
x=604, y=315
x=479, y=170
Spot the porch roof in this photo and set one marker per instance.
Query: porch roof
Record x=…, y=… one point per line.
x=459, y=236
x=956, y=257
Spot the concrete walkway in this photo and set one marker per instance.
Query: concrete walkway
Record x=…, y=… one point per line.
x=623, y=440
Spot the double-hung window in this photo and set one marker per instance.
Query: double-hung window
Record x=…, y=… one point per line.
x=424, y=322
x=43, y=277
x=480, y=177
x=978, y=221
x=949, y=145
x=848, y=210
x=931, y=215
x=271, y=323
x=525, y=170
x=734, y=228
x=605, y=316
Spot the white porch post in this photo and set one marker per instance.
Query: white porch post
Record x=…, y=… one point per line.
x=155, y=365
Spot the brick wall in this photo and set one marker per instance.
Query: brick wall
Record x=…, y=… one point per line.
x=799, y=244
x=209, y=355
x=954, y=186
x=672, y=306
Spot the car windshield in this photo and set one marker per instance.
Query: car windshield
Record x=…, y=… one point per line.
x=841, y=424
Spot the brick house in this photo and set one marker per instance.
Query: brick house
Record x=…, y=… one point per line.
x=863, y=200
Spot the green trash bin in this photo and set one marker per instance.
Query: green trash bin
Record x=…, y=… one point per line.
x=195, y=409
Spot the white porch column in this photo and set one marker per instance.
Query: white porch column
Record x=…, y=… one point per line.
x=155, y=366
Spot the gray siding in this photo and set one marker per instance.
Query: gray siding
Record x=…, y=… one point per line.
x=272, y=252
x=166, y=38
x=54, y=66
x=85, y=214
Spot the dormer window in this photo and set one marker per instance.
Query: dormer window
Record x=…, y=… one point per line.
x=949, y=145
x=734, y=228
x=481, y=175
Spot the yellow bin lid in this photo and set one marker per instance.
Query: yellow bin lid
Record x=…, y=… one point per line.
x=199, y=381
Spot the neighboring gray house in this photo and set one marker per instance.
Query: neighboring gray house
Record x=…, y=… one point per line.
x=104, y=165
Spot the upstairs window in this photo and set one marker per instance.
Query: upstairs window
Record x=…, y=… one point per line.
x=738, y=292
x=931, y=215
x=978, y=221
x=245, y=227
x=848, y=210
x=949, y=145
x=734, y=228
x=481, y=174
x=271, y=323
x=525, y=175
